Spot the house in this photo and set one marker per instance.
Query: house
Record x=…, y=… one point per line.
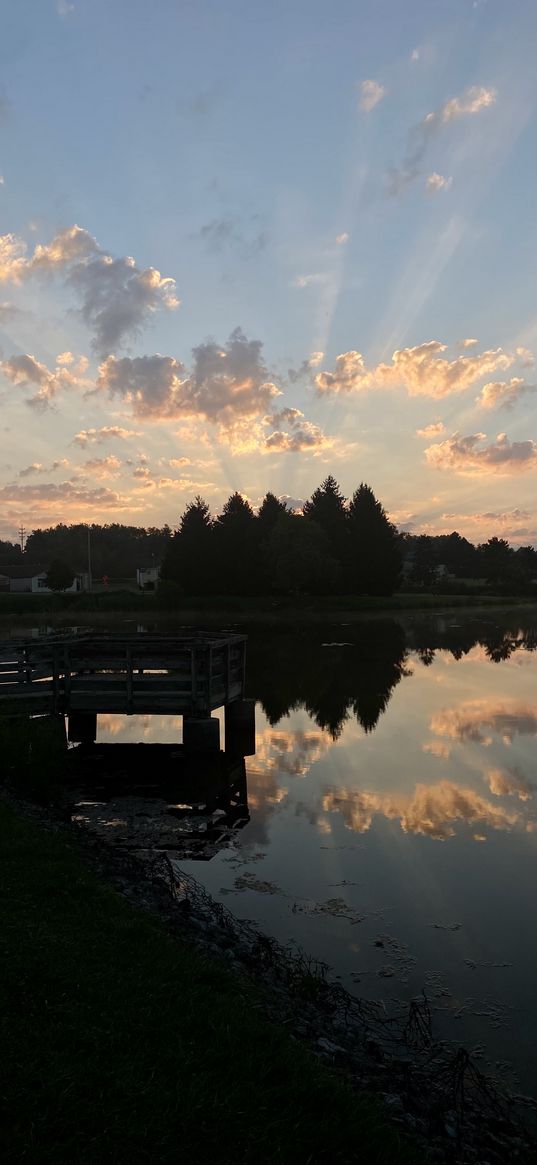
x=31, y=578
x=147, y=576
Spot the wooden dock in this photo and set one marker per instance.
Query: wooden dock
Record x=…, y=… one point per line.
x=189, y=674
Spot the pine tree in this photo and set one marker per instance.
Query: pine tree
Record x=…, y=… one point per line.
x=374, y=555
x=270, y=510
x=326, y=507
x=188, y=558
x=236, y=559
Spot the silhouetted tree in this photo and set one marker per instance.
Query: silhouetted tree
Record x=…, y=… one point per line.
x=60, y=575
x=424, y=563
x=236, y=558
x=326, y=507
x=188, y=559
x=497, y=562
x=10, y=553
x=457, y=554
x=374, y=555
x=299, y=554
x=116, y=550
x=270, y=510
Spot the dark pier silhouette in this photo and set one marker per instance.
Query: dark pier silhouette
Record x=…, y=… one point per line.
x=130, y=674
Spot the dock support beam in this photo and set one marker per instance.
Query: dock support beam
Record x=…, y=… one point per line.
x=82, y=727
x=240, y=728
x=201, y=735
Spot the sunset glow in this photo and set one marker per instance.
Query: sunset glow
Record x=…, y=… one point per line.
x=219, y=277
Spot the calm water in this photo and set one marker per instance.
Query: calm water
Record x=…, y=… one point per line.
x=393, y=819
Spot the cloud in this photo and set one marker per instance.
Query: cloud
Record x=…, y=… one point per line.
x=227, y=383
x=503, y=394
x=342, y=238
x=61, y=498
x=525, y=357
x=306, y=367
x=109, y=466
x=467, y=722
x=470, y=342
x=422, y=370
x=117, y=298
x=437, y=182
x=292, y=433
x=294, y=505
x=220, y=233
x=433, y=430
x=37, y=467
x=509, y=782
x=64, y=8
x=473, y=100
x=371, y=93
x=430, y=810
x=467, y=455
x=517, y=525
x=25, y=370
x=106, y=433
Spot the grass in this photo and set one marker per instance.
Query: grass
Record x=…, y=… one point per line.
x=147, y=606
x=34, y=756
x=121, y=1044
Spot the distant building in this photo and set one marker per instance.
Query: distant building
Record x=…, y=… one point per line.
x=147, y=576
x=31, y=578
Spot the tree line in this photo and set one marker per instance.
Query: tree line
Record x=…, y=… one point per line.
x=335, y=546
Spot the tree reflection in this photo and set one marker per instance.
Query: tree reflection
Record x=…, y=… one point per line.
x=335, y=680
x=332, y=680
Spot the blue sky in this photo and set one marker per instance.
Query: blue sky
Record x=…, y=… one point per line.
x=329, y=179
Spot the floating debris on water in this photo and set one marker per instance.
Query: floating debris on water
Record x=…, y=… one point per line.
x=335, y=907
x=445, y=925
x=250, y=882
x=336, y=885
x=473, y=964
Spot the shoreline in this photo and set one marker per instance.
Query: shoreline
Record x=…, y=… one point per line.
x=433, y=1094
x=256, y=611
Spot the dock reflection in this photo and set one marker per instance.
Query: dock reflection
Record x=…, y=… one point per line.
x=158, y=796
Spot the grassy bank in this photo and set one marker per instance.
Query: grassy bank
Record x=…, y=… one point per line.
x=145, y=607
x=122, y=1044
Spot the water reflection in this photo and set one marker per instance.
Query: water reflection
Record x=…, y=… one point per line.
x=389, y=821
x=336, y=681
x=430, y=809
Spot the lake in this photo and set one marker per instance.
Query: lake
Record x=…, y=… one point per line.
x=392, y=815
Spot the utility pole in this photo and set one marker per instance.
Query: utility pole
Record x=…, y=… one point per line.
x=22, y=537
x=89, y=559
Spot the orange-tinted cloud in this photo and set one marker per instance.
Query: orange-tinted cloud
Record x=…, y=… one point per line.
x=503, y=394
x=27, y=372
x=106, y=433
x=423, y=370
x=431, y=810
x=469, y=720
x=469, y=456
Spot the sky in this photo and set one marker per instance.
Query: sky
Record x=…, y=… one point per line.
x=245, y=245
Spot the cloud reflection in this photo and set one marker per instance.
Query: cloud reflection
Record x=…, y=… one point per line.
x=430, y=810
x=467, y=721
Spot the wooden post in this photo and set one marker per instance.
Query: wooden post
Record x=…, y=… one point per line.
x=129, y=681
